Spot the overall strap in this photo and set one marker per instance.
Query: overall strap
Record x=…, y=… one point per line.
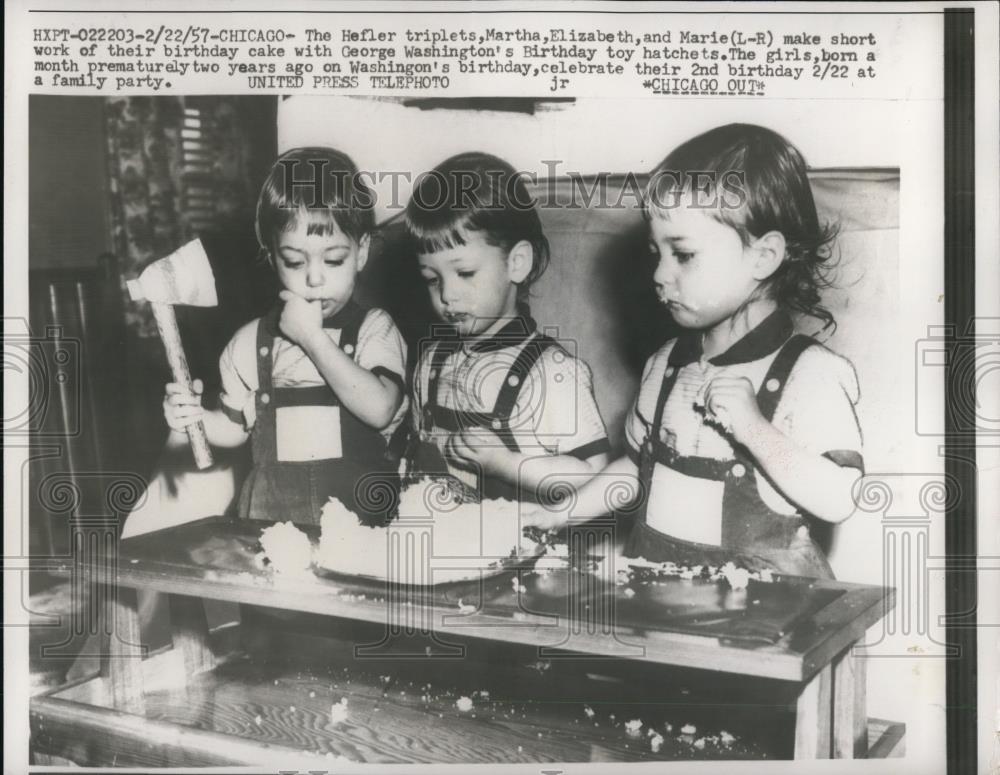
x=267, y=332
x=439, y=355
x=669, y=379
x=351, y=330
x=647, y=453
x=777, y=375
x=503, y=408
x=768, y=397
x=264, y=437
x=321, y=395
x=517, y=374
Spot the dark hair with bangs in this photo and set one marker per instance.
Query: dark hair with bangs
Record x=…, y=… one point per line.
x=477, y=193
x=322, y=185
x=758, y=183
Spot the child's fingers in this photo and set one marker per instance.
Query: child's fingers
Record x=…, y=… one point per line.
x=727, y=388
x=179, y=416
x=450, y=446
x=456, y=448
x=182, y=399
x=178, y=389
x=180, y=423
x=287, y=296
x=188, y=412
x=729, y=384
x=721, y=384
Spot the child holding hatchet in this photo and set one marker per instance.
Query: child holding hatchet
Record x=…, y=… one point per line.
x=317, y=384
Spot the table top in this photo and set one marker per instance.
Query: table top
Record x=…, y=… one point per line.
x=787, y=629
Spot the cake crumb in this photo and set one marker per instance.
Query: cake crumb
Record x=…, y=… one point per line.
x=338, y=711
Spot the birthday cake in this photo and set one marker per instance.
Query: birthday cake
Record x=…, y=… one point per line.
x=436, y=538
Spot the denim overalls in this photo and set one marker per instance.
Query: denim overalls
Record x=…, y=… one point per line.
x=362, y=476
x=753, y=535
x=436, y=419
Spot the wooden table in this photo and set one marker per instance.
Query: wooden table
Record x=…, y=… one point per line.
x=797, y=632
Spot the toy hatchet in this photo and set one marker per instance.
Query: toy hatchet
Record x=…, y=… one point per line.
x=183, y=277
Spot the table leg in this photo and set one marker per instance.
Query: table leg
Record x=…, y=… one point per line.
x=189, y=629
x=813, y=717
x=121, y=657
x=850, y=713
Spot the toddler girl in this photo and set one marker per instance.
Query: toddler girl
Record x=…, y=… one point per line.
x=317, y=384
x=743, y=431
x=498, y=405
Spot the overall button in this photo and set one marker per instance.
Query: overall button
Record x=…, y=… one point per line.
x=349, y=349
x=434, y=374
x=495, y=425
x=513, y=380
x=265, y=350
x=739, y=470
x=265, y=398
x=772, y=385
x=669, y=371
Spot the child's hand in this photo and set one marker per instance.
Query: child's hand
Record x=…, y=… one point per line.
x=300, y=319
x=731, y=403
x=537, y=516
x=475, y=448
x=182, y=407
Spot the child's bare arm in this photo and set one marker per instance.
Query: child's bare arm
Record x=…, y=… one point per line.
x=550, y=472
x=598, y=496
x=182, y=407
x=372, y=398
x=484, y=449
x=555, y=473
x=812, y=482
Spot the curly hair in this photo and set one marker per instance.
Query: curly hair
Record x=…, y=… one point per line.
x=761, y=183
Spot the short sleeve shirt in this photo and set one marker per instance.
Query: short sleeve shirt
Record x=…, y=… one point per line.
x=380, y=349
x=816, y=409
x=555, y=412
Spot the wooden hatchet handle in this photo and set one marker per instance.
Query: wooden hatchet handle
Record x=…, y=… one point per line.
x=166, y=322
